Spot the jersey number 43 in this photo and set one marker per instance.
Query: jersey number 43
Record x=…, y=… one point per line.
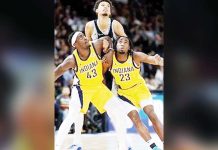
x=91, y=74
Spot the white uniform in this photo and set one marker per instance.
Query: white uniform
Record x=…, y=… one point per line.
x=97, y=33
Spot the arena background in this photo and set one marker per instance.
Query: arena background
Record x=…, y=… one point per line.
x=143, y=23
x=27, y=31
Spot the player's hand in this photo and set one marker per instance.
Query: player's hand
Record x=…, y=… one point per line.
x=104, y=60
x=158, y=60
x=105, y=46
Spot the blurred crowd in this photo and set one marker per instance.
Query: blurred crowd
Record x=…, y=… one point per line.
x=142, y=21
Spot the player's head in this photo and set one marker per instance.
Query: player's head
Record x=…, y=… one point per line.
x=78, y=40
x=103, y=7
x=123, y=45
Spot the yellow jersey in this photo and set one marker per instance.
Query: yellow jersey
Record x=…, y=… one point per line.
x=90, y=87
x=126, y=74
x=89, y=71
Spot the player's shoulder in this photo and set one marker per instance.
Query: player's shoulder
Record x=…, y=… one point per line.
x=71, y=56
x=115, y=22
x=136, y=55
x=70, y=59
x=90, y=23
x=116, y=25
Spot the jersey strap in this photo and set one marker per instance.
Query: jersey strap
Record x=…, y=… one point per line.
x=100, y=34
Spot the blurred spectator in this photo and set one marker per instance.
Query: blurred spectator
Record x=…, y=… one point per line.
x=63, y=101
x=159, y=78
x=156, y=82
x=68, y=77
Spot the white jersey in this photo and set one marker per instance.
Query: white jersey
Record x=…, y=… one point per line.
x=97, y=33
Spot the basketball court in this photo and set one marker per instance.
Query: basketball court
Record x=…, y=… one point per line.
x=107, y=141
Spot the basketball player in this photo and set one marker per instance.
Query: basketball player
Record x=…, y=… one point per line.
x=87, y=64
x=124, y=65
x=104, y=26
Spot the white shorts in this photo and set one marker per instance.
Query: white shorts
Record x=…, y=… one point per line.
x=127, y=107
x=75, y=101
x=117, y=107
x=146, y=102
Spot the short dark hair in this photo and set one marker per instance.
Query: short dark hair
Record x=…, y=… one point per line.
x=99, y=1
x=70, y=37
x=130, y=44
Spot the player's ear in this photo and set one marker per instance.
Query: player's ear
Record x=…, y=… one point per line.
x=72, y=49
x=110, y=12
x=96, y=11
x=73, y=46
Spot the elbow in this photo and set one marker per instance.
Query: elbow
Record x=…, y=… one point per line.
x=58, y=72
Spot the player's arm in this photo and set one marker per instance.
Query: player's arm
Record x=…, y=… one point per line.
x=140, y=57
x=89, y=30
x=118, y=29
x=103, y=44
x=68, y=63
x=107, y=61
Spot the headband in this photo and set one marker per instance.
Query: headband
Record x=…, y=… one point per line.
x=73, y=40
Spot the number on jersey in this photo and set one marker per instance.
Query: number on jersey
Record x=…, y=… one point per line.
x=91, y=74
x=124, y=77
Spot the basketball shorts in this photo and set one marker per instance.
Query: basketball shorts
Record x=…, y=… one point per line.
x=139, y=95
x=98, y=95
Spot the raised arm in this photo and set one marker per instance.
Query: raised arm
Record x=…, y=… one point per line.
x=68, y=63
x=88, y=30
x=118, y=29
x=107, y=61
x=103, y=44
x=140, y=57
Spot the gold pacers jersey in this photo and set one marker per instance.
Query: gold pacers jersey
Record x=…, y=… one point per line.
x=89, y=71
x=91, y=88
x=132, y=87
x=126, y=74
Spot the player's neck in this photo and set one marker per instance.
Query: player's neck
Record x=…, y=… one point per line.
x=103, y=21
x=121, y=57
x=83, y=53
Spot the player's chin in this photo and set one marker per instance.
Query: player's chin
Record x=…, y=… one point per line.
x=105, y=14
x=122, y=52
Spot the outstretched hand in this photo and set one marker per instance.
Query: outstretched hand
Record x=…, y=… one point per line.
x=158, y=60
